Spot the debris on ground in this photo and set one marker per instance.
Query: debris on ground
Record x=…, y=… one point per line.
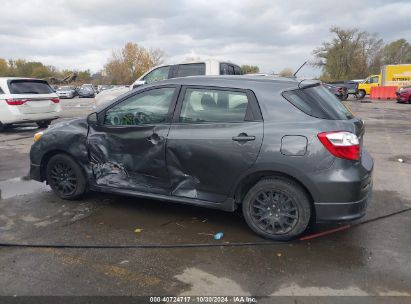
x=138, y=230
x=218, y=235
x=400, y=160
x=124, y=262
x=279, y=254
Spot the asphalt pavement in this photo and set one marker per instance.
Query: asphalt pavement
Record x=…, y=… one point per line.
x=369, y=259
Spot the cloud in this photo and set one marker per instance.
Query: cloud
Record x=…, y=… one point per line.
x=271, y=34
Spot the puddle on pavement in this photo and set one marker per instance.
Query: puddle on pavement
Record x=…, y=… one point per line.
x=20, y=186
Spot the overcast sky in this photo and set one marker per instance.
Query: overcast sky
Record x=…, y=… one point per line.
x=80, y=34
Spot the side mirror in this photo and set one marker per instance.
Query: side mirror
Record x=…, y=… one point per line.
x=92, y=119
x=138, y=83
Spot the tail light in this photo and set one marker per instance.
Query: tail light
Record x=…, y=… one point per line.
x=16, y=101
x=341, y=144
x=20, y=101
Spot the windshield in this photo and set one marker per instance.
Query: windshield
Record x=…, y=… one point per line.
x=319, y=102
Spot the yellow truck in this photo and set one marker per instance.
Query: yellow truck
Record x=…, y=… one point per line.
x=398, y=75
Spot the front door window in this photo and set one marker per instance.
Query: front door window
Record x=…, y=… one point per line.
x=150, y=107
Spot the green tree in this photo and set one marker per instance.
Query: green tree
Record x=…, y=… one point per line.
x=350, y=54
x=397, y=52
x=84, y=76
x=129, y=63
x=286, y=72
x=250, y=69
x=4, y=68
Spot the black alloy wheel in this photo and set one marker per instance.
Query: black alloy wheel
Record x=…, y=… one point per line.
x=277, y=208
x=274, y=212
x=65, y=177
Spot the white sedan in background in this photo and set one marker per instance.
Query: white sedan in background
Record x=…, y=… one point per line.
x=27, y=100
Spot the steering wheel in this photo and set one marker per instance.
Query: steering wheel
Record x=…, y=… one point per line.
x=141, y=118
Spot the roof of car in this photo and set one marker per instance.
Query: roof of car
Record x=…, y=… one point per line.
x=241, y=81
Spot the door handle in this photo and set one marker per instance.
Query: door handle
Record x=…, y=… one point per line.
x=243, y=137
x=154, y=138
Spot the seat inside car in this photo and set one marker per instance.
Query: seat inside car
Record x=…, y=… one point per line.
x=207, y=102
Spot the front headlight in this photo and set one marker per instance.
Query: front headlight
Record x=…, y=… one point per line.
x=37, y=136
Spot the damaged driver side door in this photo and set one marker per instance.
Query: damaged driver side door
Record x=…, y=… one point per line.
x=127, y=146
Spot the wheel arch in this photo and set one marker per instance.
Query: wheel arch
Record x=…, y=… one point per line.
x=251, y=179
x=48, y=155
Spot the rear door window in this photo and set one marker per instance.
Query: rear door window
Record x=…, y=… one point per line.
x=237, y=70
x=25, y=86
x=191, y=69
x=209, y=105
x=319, y=102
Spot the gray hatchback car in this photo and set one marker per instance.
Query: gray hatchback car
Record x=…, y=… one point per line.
x=284, y=151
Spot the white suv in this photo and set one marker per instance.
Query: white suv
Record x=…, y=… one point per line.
x=166, y=71
x=27, y=100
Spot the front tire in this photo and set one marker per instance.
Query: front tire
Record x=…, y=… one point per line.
x=65, y=177
x=277, y=209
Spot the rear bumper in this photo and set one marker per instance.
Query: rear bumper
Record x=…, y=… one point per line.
x=402, y=99
x=344, y=190
x=21, y=118
x=330, y=212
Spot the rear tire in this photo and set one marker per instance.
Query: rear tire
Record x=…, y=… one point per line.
x=43, y=123
x=277, y=208
x=66, y=177
x=361, y=94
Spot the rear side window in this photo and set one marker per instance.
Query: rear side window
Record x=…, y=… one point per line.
x=319, y=102
x=191, y=69
x=25, y=86
x=204, y=105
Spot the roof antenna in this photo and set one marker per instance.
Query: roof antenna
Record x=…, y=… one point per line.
x=295, y=74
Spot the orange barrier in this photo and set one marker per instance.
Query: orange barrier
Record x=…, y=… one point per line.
x=387, y=92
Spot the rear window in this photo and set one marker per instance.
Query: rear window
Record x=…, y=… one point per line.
x=319, y=102
x=29, y=87
x=190, y=69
